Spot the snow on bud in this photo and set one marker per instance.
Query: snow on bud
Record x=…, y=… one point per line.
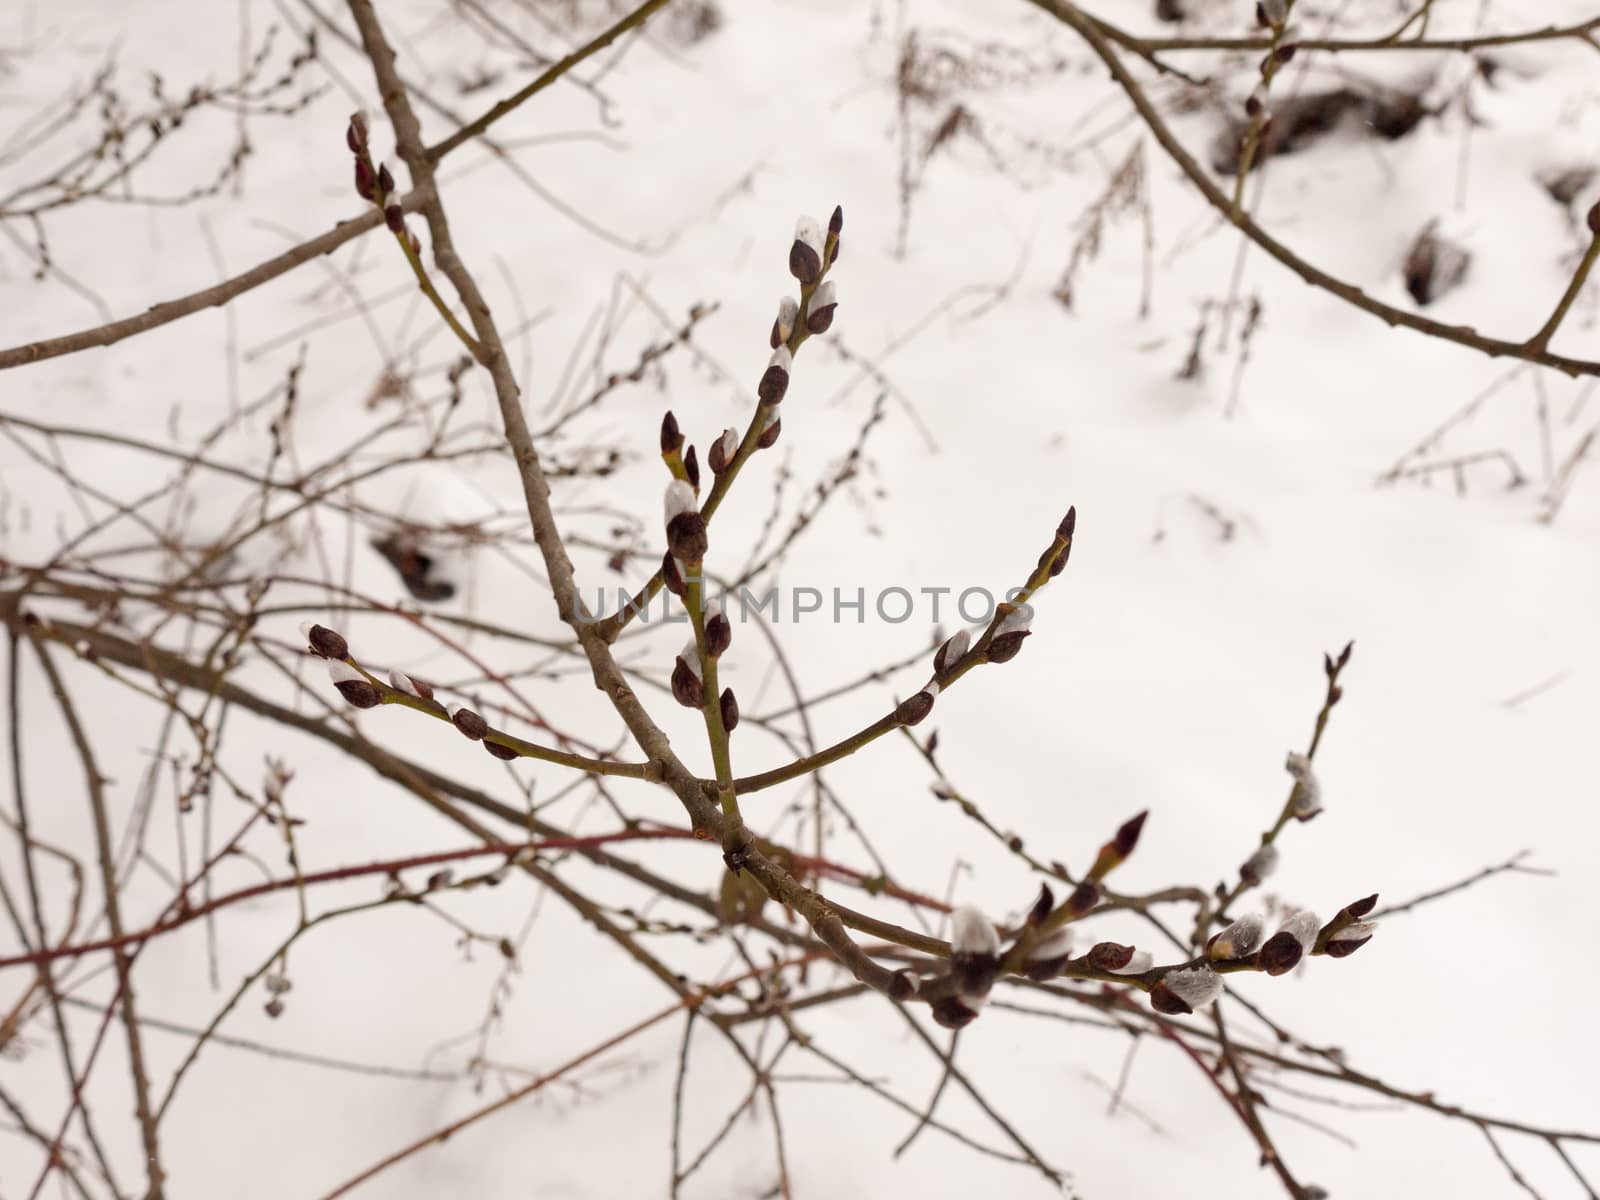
x=1307, y=790
x=775, y=379
x=1197, y=987
x=975, y=952
x=1239, y=940
x=951, y=652
x=723, y=451
x=687, y=687
x=783, y=323
x=672, y=574
x=1255, y=103
x=1303, y=925
x=401, y=682
x=353, y=685
x=327, y=643
x=1259, y=865
x=819, y=314
x=1288, y=43
x=805, y=255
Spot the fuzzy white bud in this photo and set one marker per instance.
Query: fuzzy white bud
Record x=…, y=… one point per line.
x=1016, y=621
x=1359, y=931
x=691, y=657
x=678, y=500
x=401, y=682
x=972, y=933
x=788, y=310
x=1307, y=789
x=1056, y=945
x=730, y=444
x=807, y=231
x=1304, y=926
x=825, y=295
x=1241, y=938
x=342, y=672
x=1260, y=864
x=1195, y=986
x=1141, y=962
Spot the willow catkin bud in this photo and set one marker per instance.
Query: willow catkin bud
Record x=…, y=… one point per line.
x=671, y=435
x=914, y=709
x=1009, y=634
x=691, y=468
x=819, y=314
x=499, y=751
x=805, y=254
x=775, y=379
x=719, y=632
x=783, y=323
x=355, y=687
x=951, y=652
x=770, y=431
x=1197, y=987
x=723, y=451
x=325, y=642
x=469, y=723
x=385, y=179
x=730, y=710
x=1239, y=940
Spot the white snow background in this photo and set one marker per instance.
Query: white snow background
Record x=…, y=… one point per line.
x=1169, y=668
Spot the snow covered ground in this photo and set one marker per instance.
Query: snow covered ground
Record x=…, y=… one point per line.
x=1232, y=526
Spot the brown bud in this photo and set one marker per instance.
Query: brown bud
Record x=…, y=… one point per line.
x=953, y=649
x=804, y=264
x=1041, y=969
x=686, y=537
x=1084, y=897
x=1164, y=1000
x=913, y=710
x=691, y=468
x=469, y=723
x=1004, y=647
x=1281, y=953
x=395, y=218
x=1594, y=219
x=385, y=180
x=1357, y=909
x=774, y=384
x=819, y=318
x=366, y=181
x=1285, y=52
x=1069, y=524
x=952, y=1012
x=327, y=643
x=836, y=221
x=1345, y=947
x=769, y=435
x=359, y=693
x=1042, y=906
x=355, y=133
x=671, y=438
x=730, y=710
x=902, y=985
x=719, y=635
x=720, y=455
x=974, y=972
x=1109, y=956
x=671, y=577
x=499, y=751
x=1344, y=655
x=687, y=689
